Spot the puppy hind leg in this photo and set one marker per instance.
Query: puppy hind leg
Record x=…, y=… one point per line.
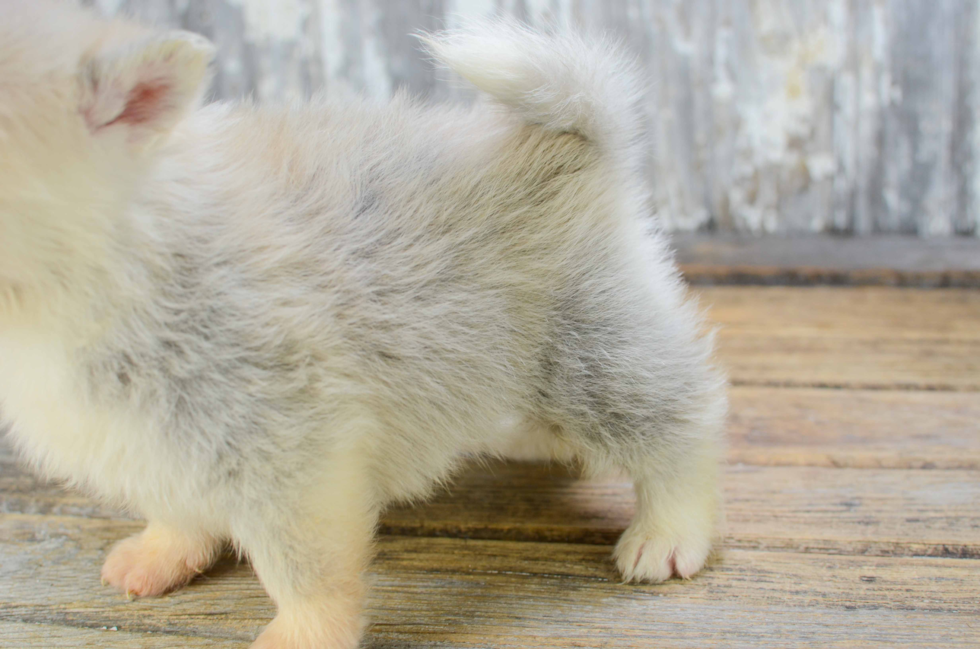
x=677, y=515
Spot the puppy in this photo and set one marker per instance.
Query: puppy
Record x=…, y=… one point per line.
x=264, y=325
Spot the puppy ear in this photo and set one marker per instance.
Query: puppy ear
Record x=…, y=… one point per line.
x=145, y=87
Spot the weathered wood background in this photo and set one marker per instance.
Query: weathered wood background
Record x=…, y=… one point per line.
x=855, y=116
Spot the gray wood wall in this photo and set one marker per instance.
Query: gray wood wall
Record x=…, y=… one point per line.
x=767, y=115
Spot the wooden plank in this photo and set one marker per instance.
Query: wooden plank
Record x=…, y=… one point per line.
x=868, y=337
x=845, y=313
x=836, y=511
x=854, y=428
x=882, y=260
x=55, y=636
x=861, y=364
x=806, y=509
x=814, y=555
x=439, y=592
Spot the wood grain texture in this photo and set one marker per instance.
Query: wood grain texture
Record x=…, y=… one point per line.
x=849, y=363
x=452, y=592
x=852, y=516
x=776, y=116
x=834, y=511
x=837, y=313
x=854, y=428
x=803, y=509
x=58, y=636
x=860, y=337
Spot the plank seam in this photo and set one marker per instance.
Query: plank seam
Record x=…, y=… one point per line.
x=877, y=387
x=68, y=621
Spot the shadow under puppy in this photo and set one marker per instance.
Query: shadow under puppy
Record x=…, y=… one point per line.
x=263, y=325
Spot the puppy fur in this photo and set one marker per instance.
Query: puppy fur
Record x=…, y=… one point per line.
x=263, y=325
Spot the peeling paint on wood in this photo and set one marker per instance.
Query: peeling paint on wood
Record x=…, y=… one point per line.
x=855, y=116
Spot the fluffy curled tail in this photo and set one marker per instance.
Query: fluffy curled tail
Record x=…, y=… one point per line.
x=564, y=82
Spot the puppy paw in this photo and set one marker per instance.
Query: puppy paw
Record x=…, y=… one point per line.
x=335, y=627
x=644, y=554
x=156, y=561
x=677, y=520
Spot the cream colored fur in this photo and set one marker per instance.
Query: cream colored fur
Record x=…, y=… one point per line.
x=264, y=325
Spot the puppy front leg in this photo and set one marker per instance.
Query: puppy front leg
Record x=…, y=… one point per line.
x=311, y=558
x=159, y=559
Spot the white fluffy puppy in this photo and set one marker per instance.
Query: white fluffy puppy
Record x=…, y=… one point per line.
x=262, y=326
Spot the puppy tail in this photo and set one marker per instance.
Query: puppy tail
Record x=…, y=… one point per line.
x=564, y=82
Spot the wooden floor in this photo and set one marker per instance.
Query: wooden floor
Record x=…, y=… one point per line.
x=853, y=510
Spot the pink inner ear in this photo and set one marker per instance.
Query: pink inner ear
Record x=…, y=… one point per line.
x=144, y=103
